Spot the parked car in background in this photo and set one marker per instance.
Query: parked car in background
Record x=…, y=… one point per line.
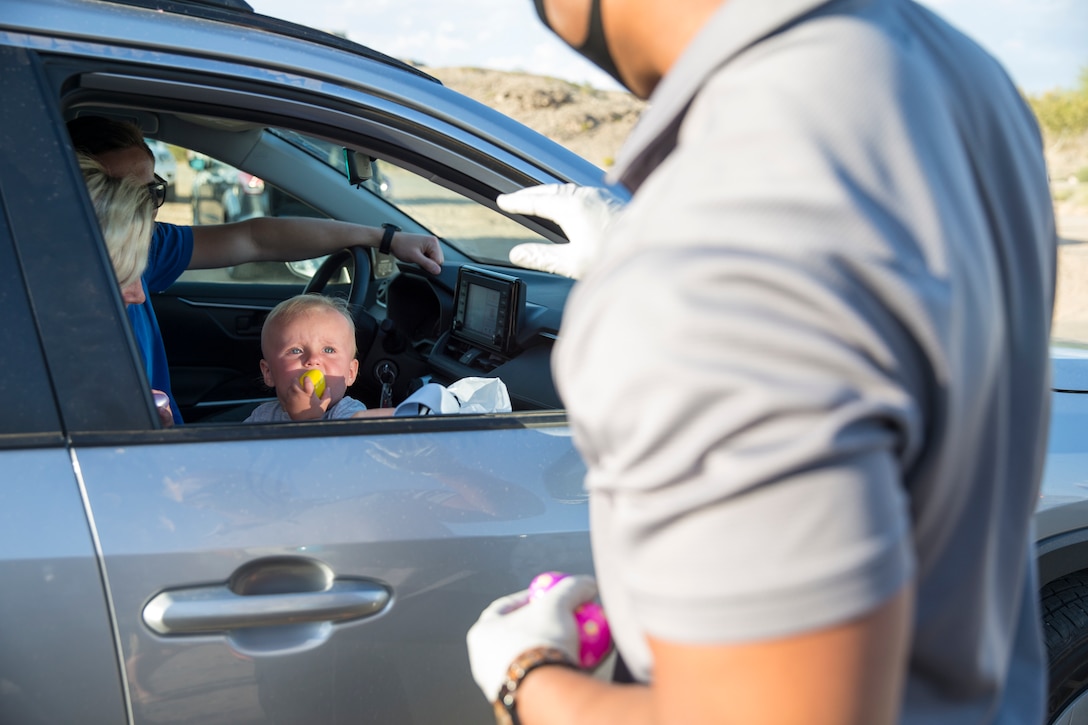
x=321, y=572
x=223, y=194
x=166, y=166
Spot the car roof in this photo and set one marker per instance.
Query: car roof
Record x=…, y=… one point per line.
x=137, y=49
x=194, y=5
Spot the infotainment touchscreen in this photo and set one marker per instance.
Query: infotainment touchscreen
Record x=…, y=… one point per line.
x=488, y=309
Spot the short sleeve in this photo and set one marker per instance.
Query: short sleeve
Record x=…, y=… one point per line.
x=169, y=255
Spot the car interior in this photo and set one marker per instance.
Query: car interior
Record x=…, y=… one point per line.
x=479, y=317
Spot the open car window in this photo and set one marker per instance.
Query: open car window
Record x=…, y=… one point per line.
x=208, y=190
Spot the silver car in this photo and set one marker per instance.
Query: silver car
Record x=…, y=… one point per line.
x=219, y=572
x=227, y=573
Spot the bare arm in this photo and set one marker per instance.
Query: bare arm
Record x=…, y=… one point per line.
x=553, y=695
x=850, y=674
x=285, y=239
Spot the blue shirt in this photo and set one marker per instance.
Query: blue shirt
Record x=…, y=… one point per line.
x=169, y=256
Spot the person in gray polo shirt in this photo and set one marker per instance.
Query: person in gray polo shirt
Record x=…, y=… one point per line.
x=807, y=368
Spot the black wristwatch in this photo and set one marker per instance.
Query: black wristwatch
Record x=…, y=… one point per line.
x=387, y=237
x=506, y=712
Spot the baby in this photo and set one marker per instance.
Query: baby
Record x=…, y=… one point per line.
x=303, y=334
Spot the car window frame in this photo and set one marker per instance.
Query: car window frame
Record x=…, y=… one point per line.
x=76, y=78
x=82, y=331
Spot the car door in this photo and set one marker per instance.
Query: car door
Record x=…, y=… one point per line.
x=317, y=572
x=320, y=572
x=323, y=572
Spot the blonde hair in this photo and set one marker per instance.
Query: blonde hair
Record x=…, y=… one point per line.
x=293, y=306
x=126, y=214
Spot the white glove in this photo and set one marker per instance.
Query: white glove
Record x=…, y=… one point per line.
x=582, y=212
x=512, y=625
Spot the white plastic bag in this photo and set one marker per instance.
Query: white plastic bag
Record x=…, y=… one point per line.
x=467, y=395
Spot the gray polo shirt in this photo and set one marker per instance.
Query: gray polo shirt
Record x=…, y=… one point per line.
x=810, y=365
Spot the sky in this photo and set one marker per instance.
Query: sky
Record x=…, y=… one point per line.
x=1042, y=43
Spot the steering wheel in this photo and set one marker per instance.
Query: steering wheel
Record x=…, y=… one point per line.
x=366, y=327
x=360, y=277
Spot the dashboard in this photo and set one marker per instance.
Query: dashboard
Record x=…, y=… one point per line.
x=471, y=321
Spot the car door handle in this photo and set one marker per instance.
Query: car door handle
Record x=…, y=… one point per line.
x=217, y=609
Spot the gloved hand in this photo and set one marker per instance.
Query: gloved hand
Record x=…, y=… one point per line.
x=583, y=213
x=512, y=625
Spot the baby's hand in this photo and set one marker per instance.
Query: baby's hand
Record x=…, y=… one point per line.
x=162, y=407
x=309, y=398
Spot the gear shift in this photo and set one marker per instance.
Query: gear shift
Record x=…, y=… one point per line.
x=386, y=372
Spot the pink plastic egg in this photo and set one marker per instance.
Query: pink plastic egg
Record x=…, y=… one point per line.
x=594, y=636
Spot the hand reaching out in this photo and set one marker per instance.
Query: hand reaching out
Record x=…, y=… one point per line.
x=583, y=213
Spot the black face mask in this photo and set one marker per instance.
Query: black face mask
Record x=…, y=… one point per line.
x=595, y=49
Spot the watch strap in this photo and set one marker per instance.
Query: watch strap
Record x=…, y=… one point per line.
x=387, y=237
x=506, y=712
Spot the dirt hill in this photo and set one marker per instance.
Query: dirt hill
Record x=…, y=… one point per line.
x=594, y=123
x=590, y=122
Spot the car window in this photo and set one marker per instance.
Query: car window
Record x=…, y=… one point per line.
x=210, y=191
x=475, y=230
x=212, y=320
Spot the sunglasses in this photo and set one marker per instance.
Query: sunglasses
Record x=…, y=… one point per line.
x=157, y=189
